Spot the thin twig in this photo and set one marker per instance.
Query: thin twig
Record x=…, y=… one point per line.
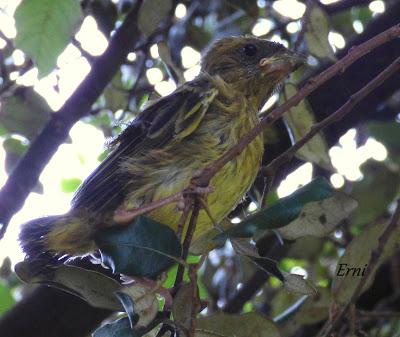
x=188, y=239
x=376, y=315
x=335, y=117
x=355, y=53
x=125, y=215
x=373, y=261
x=188, y=203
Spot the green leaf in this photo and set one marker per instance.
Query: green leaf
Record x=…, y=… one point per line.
x=143, y=248
x=249, y=324
x=44, y=29
x=116, y=95
x=297, y=284
x=300, y=119
x=24, y=113
x=282, y=212
x=385, y=186
x=317, y=34
x=357, y=255
x=69, y=185
x=15, y=149
x=319, y=218
x=292, y=282
x=95, y=288
x=151, y=14
x=385, y=132
x=362, y=13
x=6, y=298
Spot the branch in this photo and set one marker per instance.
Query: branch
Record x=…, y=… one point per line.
x=344, y=5
x=357, y=52
x=336, y=116
x=26, y=174
x=372, y=264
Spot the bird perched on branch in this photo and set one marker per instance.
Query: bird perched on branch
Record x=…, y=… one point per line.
x=173, y=138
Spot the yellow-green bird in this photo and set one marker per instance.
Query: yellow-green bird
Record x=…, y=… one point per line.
x=169, y=142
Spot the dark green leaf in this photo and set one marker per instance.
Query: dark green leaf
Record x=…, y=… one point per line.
x=282, y=212
x=269, y=266
x=94, y=287
x=143, y=248
x=44, y=28
x=361, y=13
x=386, y=132
x=69, y=185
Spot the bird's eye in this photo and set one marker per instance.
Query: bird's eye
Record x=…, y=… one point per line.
x=250, y=49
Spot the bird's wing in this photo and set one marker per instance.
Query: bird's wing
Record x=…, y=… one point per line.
x=169, y=118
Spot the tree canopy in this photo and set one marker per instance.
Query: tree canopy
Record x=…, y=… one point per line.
x=312, y=249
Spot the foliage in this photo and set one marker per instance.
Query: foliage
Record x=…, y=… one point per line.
x=275, y=273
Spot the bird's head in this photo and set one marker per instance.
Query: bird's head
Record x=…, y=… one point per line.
x=251, y=65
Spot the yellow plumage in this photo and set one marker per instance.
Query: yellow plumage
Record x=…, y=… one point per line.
x=172, y=139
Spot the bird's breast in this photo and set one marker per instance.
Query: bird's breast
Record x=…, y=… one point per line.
x=177, y=164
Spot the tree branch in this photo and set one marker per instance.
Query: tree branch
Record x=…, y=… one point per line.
x=357, y=52
x=344, y=5
x=26, y=174
x=336, y=116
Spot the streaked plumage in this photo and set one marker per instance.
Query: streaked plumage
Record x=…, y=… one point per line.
x=173, y=138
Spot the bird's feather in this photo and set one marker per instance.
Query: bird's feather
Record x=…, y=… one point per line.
x=167, y=119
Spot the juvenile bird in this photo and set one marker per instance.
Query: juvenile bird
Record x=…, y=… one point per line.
x=173, y=138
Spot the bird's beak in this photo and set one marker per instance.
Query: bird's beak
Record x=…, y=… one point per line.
x=281, y=65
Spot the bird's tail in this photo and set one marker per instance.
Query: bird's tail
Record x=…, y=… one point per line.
x=56, y=236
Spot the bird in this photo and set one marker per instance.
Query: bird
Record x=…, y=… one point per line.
x=171, y=139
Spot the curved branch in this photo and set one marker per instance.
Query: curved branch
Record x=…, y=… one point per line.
x=26, y=174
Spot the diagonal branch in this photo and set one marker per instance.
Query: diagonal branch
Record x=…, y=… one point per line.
x=336, y=116
x=25, y=176
x=357, y=52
